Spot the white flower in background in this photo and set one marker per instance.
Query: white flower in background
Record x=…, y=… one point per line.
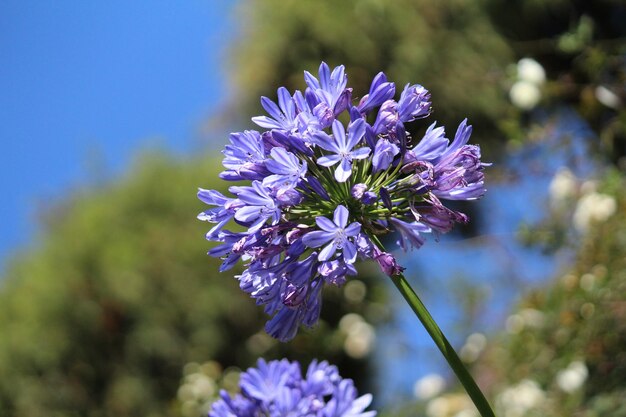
x=429, y=386
x=562, y=187
x=473, y=347
x=532, y=317
x=525, y=95
x=451, y=405
x=593, y=207
x=514, y=323
x=518, y=399
x=199, y=388
x=525, y=92
x=530, y=70
x=607, y=97
x=355, y=291
x=360, y=335
x=573, y=377
x=467, y=413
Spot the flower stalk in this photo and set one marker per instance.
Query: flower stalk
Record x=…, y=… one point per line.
x=444, y=346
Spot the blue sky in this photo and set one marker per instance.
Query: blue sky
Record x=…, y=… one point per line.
x=79, y=79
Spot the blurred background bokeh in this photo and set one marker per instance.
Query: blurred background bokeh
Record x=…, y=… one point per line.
x=113, y=113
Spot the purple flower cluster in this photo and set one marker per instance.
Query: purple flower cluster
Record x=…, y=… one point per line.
x=277, y=389
x=321, y=193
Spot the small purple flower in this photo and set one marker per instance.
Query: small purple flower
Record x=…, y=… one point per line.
x=335, y=271
x=387, y=118
x=260, y=206
x=341, y=148
x=380, y=91
x=384, y=153
x=286, y=168
x=244, y=158
x=458, y=173
x=410, y=233
x=346, y=404
x=387, y=262
x=328, y=95
x=414, y=103
x=336, y=233
x=431, y=147
x=358, y=190
x=277, y=389
x=282, y=116
x=221, y=214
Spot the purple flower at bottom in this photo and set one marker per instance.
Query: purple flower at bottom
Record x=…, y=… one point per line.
x=336, y=233
x=278, y=389
x=263, y=383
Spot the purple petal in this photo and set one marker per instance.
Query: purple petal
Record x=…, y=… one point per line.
x=326, y=142
x=248, y=213
x=284, y=157
x=266, y=122
x=324, y=73
x=317, y=238
x=286, y=103
x=340, y=217
x=340, y=135
x=338, y=77
x=353, y=229
x=252, y=198
x=327, y=252
x=360, y=153
x=325, y=224
x=356, y=130
x=328, y=161
x=271, y=108
x=311, y=81
x=343, y=171
x=349, y=252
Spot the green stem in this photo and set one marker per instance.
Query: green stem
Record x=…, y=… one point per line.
x=444, y=346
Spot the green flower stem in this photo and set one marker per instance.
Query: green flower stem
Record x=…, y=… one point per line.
x=444, y=346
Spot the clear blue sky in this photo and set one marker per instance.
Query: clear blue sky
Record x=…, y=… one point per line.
x=79, y=78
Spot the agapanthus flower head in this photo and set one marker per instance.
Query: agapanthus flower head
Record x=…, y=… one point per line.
x=322, y=192
x=278, y=389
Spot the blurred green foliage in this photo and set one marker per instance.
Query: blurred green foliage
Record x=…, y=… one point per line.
x=562, y=353
x=101, y=317
x=450, y=47
x=462, y=51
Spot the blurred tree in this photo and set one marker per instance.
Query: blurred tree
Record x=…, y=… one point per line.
x=450, y=47
x=100, y=319
x=463, y=51
x=582, y=46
